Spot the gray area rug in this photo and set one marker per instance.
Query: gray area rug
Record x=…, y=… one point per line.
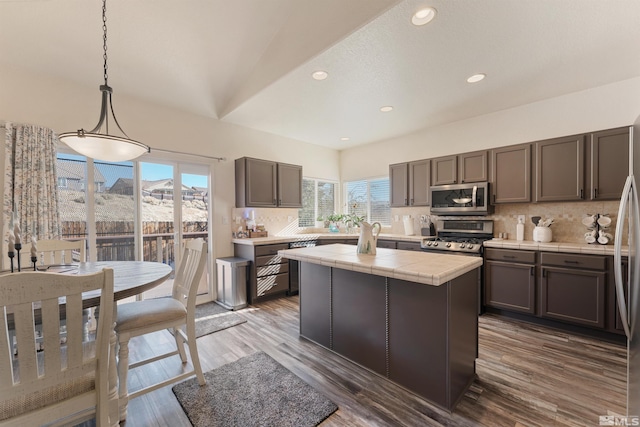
x=252, y=391
x=212, y=317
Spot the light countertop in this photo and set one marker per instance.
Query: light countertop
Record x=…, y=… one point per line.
x=530, y=245
x=421, y=267
x=320, y=236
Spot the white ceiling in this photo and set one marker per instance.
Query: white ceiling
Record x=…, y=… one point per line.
x=249, y=62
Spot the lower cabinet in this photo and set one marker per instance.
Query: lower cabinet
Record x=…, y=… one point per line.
x=510, y=286
x=268, y=272
x=575, y=292
x=408, y=246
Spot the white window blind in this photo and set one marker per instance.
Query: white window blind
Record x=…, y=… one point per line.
x=370, y=199
x=318, y=199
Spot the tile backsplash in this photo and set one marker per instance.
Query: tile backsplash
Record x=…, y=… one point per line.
x=567, y=226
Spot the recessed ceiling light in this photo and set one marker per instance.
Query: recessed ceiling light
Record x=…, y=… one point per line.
x=344, y=138
x=423, y=16
x=320, y=75
x=476, y=78
x=386, y=108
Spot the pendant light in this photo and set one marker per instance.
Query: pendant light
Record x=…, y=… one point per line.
x=103, y=146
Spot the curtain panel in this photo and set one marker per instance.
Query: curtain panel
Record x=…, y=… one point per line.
x=30, y=183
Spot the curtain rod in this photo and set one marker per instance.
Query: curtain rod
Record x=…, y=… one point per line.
x=220, y=159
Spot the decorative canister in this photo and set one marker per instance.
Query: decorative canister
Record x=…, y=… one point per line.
x=542, y=234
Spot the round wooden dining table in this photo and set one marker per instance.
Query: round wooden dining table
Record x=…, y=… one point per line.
x=130, y=278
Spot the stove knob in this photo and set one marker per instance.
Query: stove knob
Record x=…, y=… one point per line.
x=429, y=243
x=462, y=245
x=435, y=243
x=448, y=244
x=470, y=246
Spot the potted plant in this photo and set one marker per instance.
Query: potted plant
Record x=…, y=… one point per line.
x=321, y=223
x=334, y=220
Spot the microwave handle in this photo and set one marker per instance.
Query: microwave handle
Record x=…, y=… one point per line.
x=473, y=196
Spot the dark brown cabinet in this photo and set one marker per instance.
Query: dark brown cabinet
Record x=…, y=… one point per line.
x=408, y=246
x=609, y=157
x=268, y=272
x=510, y=280
x=409, y=183
x=572, y=288
x=466, y=167
x=560, y=169
x=263, y=183
x=511, y=174
x=389, y=244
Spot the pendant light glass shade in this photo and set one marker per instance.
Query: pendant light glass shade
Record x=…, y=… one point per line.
x=102, y=146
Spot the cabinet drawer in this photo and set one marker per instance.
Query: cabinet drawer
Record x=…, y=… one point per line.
x=409, y=246
x=589, y=262
x=270, y=249
x=272, y=284
x=526, y=257
x=390, y=244
x=270, y=269
x=269, y=260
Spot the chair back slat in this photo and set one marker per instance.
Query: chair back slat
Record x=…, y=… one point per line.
x=51, y=324
x=25, y=335
x=192, y=264
x=52, y=252
x=6, y=350
x=74, y=331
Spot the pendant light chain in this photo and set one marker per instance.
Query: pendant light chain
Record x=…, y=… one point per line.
x=104, y=39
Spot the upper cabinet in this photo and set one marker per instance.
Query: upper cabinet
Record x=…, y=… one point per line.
x=263, y=183
x=560, y=169
x=467, y=167
x=409, y=183
x=608, y=154
x=511, y=174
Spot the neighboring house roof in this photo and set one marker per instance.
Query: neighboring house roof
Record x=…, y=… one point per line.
x=74, y=169
x=163, y=185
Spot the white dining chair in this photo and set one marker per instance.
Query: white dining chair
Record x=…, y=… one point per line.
x=53, y=252
x=175, y=313
x=54, y=384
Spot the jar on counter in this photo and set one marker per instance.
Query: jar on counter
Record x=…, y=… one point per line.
x=542, y=234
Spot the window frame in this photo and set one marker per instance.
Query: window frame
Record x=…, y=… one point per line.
x=336, y=197
x=368, y=182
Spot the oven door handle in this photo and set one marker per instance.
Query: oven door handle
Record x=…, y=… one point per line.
x=473, y=196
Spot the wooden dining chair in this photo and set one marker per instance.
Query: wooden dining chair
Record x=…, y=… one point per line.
x=176, y=314
x=66, y=382
x=53, y=252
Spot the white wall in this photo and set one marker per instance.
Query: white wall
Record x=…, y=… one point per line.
x=55, y=103
x=604, y=107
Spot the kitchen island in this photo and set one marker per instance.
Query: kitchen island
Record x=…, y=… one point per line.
x=408, y=316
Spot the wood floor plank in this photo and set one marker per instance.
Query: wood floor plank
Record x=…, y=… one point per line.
x=527, y=375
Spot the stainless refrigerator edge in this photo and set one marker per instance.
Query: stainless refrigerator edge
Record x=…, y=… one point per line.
x=628, y=285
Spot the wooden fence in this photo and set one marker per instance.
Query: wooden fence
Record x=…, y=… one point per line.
x=115, y=239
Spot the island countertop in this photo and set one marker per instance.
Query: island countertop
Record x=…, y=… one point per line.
x=420, y=267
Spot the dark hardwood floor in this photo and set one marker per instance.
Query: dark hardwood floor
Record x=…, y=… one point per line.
x=526, y=376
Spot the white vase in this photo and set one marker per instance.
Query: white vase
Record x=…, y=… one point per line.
x=542, y=234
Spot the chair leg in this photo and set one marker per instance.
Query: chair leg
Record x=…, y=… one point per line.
x=193, y=349
x=180, y=344
x=123, y=371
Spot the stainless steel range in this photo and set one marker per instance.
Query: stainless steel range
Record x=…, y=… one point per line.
x=459, y=236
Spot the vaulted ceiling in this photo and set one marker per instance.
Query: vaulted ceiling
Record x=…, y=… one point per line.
x=250, y=62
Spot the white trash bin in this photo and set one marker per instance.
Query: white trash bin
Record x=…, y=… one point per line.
x=232, y=282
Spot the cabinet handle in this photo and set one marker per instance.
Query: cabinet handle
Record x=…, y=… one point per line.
x=411, y=202
x=406, y=202
x=462, y=181
x=570, y=261
x=595, y=193
x=494, y=198
x=582, y=193
x=274, y=201
x=509, y=256
x=544, y=273
x=533, y=270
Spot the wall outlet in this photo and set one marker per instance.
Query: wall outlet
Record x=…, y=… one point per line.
x=521, y=218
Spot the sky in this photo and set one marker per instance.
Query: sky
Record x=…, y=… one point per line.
x=150, y=171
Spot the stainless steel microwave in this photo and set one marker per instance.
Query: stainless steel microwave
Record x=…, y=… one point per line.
x=461, y=199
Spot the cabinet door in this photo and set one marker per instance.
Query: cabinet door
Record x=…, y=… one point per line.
x=398, y=175
x=445, y=170
x=472, y=167
x=511, y=174
x=574, y=296
x=260, y=183
x=609, y=160
x=408, y=246
x=289, y=186
x=419, y=182
x=510, y=286
x=390, y=244
x=560, y=169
